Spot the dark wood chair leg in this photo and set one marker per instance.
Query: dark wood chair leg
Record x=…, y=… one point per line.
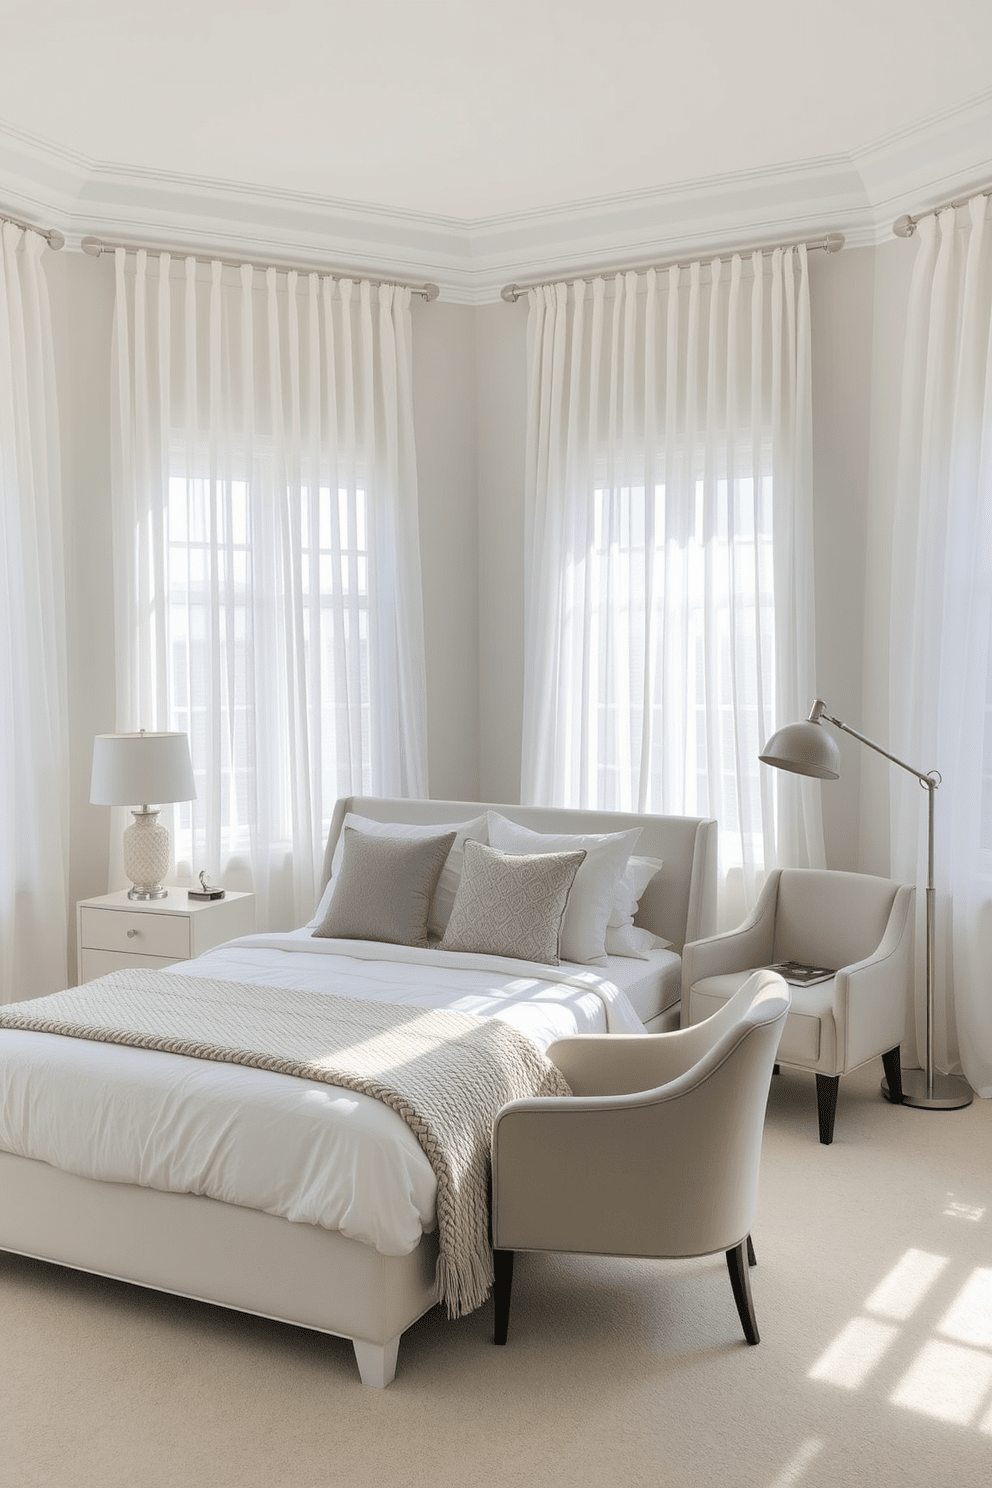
x=737, y=1260
x=892, y=1064
x=776, y=1069
x=502, y=1285
x=826, y=1105
x=752, y=1259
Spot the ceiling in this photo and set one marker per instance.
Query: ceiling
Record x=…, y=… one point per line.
x=467, y=112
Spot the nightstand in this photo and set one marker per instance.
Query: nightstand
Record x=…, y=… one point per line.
x=113, y=931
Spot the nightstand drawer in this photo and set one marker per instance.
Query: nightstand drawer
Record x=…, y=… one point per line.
x=136, y=932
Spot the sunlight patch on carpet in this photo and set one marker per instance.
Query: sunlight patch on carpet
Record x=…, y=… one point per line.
x=902, y=1291
x=854, y=1353
x=947, y=1382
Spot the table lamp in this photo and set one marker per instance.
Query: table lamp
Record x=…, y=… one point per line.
x=143, y=767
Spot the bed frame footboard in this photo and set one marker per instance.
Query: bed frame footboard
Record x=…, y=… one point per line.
x=209, y=1251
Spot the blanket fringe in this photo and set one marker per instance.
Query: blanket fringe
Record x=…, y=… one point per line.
x=464, y=1283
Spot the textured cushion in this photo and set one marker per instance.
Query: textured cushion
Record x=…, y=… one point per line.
x=384, y=888
x=447, y=884
x=509, y=905
x=594, y=892
x=639, y=873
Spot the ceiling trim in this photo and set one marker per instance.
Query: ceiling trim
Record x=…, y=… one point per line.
x=859, y=195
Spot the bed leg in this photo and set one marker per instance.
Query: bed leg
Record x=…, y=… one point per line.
x=377, y=1361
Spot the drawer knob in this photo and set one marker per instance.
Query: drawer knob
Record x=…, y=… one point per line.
x=131, y=934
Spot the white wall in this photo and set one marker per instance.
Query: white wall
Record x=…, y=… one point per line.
x=444, y=403
x=501, y=378
x=841, y=314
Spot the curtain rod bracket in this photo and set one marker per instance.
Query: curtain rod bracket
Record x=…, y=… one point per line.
x=905, y=226
x=51, y=235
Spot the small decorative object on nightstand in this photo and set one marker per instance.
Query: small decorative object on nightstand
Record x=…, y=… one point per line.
x=114, y=932
x=206, y=891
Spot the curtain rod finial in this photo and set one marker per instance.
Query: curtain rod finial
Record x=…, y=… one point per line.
x=904, y=227
x=92, y=246
x=833, y=242
x=510, y=293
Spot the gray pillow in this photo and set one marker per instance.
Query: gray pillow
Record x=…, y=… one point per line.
x=510, y=905
x=384, y=889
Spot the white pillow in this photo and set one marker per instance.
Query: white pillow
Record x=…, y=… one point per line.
x=447, y=884
x=633, y=941
x=640, y=872
x=594, y=892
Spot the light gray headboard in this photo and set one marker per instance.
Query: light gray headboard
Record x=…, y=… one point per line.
x=680, y=901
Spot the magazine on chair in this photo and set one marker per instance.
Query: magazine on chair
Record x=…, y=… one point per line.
x=800, y=975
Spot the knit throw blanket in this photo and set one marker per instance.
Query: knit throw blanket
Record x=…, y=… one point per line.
x=445, y=1073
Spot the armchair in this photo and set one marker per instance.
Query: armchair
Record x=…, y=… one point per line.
x=655, y=1153
x=859, y=926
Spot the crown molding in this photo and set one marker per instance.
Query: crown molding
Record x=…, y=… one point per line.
x=945, y=156
x=471, y=259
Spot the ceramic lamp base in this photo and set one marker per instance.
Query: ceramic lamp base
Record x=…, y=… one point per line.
x=146, y=855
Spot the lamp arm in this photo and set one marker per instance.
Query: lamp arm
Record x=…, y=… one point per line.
x=818, y=711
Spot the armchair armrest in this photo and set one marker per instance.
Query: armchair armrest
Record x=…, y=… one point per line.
x=749, y=945
x=620, y=1064
x=871, y=997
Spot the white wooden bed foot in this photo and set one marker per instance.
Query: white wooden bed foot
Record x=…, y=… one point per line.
x=377, y=1361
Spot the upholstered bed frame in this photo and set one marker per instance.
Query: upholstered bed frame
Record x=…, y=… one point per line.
x=241, y=1258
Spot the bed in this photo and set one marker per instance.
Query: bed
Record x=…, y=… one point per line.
x=320, y=1254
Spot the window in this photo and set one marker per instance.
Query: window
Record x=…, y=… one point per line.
x=221, y=578
x=681, y=622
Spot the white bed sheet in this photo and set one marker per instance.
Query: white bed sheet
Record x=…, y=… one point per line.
x=297, y=1148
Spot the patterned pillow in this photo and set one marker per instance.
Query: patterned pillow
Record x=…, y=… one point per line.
x=510, y=905
x=594, y=894
x=384, y=888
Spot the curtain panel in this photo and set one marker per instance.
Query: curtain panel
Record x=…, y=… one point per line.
x=669, y=582
x=34, y=748
x=268, y=562
x=940, y=690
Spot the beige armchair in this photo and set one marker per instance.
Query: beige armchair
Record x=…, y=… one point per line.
x=859, y=926
x=655, y=1153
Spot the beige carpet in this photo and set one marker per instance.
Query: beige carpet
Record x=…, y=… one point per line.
x=615, y=1372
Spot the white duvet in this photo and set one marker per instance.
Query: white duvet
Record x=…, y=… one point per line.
x=296, y=1148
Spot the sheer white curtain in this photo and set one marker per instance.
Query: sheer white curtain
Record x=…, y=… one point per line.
x=34, y=754
x=669, y=587
x=268, y=570
x=940, y=678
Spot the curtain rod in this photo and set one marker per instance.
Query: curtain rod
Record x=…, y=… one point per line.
x=832, y=243
x=51, y=235
x=905, y=226
x=95, y=246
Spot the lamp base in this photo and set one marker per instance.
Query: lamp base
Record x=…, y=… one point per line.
x=146, y=854
x=941, y=1093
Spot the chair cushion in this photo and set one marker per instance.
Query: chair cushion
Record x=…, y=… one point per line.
x=829, y=918
x=809, y=1037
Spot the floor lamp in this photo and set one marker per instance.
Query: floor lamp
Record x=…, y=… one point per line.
x=808, y=749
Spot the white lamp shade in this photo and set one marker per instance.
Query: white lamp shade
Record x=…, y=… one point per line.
x=141, y=769
x=804, y=749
